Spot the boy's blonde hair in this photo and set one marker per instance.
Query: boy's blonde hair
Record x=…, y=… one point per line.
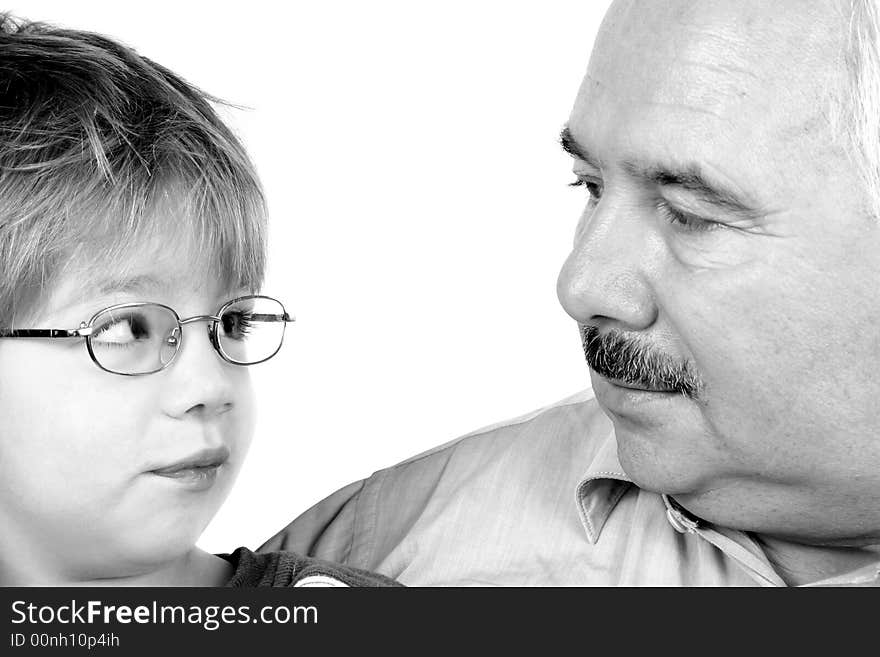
x=93, y=139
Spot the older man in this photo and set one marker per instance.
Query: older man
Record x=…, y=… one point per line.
x=726, y=278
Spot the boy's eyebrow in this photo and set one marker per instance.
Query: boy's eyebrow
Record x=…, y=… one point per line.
x=136, y=283
x=689, y=176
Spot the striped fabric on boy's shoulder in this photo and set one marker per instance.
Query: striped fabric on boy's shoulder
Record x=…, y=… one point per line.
x=289, y=569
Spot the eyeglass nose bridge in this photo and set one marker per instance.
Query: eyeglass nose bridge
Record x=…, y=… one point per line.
x=199, y=318
x=174, y=338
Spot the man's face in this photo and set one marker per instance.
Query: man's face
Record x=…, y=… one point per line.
x=80, y=447
x=725, y=235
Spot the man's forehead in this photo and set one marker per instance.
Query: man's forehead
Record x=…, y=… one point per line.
x=741, y=41
x=712, y=55
x=692, y=80
x=785, y=23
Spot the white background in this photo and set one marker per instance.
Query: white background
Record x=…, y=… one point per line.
x=419, y=217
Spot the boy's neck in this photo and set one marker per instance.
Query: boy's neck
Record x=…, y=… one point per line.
x=195, y=568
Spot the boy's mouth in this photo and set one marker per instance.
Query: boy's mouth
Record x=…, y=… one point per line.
x=198, y=470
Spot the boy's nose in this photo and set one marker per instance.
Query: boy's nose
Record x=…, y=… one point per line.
x=200, y=382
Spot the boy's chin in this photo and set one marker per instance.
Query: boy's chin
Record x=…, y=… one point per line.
x=150, y=547
x=148, y=561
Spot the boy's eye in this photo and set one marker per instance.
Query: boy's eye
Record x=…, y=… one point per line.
x=123, y=329
x=236, y=324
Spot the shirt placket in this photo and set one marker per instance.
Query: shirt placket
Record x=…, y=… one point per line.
x=756, y=566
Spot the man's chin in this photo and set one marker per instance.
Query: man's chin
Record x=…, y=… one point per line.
x=662, y=459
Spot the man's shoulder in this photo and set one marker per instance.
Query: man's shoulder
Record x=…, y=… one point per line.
x=509, y=448
x=500, y=436
x=364, y=520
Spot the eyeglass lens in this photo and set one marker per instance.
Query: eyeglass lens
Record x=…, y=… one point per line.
x=251, y=330
x=145, y=338
x=134, y=339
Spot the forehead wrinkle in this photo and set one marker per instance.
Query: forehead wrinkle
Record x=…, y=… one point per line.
x=697, y=46
x=724, y=68
x=687, y=108
x=699, y=88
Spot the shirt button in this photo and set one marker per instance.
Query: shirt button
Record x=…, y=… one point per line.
x=678, y=522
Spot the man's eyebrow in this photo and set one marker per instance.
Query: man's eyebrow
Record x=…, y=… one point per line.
x=689, y=177
x=570, y=146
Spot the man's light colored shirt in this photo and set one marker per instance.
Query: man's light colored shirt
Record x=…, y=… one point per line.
x=537, y=501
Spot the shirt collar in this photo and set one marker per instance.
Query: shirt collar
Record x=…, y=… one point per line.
x=605, y=482
x=601, y=487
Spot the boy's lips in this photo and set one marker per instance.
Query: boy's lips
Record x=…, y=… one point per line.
x=196, y=472
x=203, y=459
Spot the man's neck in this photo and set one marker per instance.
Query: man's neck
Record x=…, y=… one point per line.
x=798, y=563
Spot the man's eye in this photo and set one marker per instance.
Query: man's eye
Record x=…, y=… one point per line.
x=594, y=189
x=687, y=222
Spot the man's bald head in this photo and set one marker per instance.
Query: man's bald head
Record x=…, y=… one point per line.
x=858, y=118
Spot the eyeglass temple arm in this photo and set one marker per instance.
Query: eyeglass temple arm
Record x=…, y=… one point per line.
x=81, y=332
x=258, y=317
x=85, y=331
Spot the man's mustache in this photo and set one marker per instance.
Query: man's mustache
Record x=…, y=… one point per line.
x=617, y=357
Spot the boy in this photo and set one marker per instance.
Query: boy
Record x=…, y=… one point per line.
x=131, y=220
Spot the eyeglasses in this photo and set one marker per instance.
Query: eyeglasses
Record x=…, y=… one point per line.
x=133, y=339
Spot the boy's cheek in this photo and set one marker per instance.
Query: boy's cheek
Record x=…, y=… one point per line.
x=73, y=430
x=64, y=421
x=239, y=425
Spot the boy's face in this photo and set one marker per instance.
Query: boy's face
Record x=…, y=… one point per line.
x=79, y=447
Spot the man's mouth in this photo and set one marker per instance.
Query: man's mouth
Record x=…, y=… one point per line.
x=626, y=363
x=638, y=387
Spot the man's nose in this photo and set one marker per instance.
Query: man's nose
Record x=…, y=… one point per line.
x=604, y=281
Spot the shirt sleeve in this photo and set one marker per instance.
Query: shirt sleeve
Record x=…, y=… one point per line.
x=325, y=531
x=363, y=524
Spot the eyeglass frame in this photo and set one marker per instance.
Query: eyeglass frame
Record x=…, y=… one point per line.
x=86, y=329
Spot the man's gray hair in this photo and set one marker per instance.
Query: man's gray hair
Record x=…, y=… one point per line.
x=859, y=117
x=96, y=144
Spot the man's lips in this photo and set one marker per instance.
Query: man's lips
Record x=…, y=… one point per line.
x=633, y=386
x=203, y=459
